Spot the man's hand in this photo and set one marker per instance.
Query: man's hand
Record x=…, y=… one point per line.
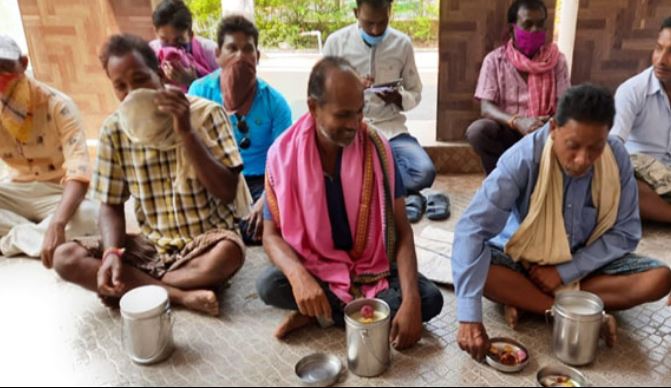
x=54, y=237
x=174, y=71
x=254, y=221
x=546, y=278
x=472, y=338
x=173, y=101
x=310, y=297
x=406, y=328
x=527, y=125
x=392, y=96
x=109, y=276
x=367, y=81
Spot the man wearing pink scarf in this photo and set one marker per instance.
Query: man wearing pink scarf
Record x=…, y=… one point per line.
x=335, y=224
x=519, y=86
x=183, y=56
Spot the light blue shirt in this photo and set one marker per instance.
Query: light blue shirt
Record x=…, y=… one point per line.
x=502, y=202
x=268, y=117
x=643, y=118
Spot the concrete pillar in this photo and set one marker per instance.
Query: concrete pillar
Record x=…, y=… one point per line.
x=565, y=28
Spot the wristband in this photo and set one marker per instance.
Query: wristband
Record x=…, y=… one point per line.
x=113, y=250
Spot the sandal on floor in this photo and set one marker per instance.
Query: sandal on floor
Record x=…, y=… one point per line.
x=414, y=207
x=438, y=205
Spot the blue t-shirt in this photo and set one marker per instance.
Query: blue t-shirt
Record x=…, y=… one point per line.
x=268, y=117
x=335, y=201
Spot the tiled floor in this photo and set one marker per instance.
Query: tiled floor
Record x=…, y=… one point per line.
x=53, y=333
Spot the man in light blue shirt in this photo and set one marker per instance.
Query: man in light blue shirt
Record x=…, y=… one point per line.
x=606, y=267
x=258, y=112
x=643, y=121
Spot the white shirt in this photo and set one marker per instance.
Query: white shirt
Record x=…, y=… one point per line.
x=390, y=60
x=643, y=116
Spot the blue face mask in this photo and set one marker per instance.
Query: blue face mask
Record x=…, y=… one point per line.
x=372, y=40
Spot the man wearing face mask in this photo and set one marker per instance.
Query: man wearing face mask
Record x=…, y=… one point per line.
x=176, y=156
x=559, y=212
x=335, y=223
x=382, y=55
x=43, y=143
x=643, y=120
x=520, y=84
x=184, y=56
x=259, y=113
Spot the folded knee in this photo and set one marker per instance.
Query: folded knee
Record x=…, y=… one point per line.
x=480, y=131
x=268, y=283
x=67, y=258
x=661, y=282
x=432, y=303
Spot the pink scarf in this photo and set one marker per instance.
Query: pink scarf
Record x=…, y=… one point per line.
x=203, y=66
x=297, y=199
x=196, y=59
x=542, y=80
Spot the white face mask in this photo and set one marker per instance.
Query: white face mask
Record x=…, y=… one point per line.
x=143, y=123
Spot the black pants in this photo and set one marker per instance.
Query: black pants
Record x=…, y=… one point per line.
x=274, y=289
x=490, y=140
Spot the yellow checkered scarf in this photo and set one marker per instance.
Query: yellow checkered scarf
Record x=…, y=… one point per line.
x=16, y=110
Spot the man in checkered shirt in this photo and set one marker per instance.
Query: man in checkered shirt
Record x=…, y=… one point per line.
x=188, y=243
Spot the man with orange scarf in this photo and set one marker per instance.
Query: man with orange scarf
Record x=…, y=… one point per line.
x=519, y=86
x=43, y=143
x=335, y=222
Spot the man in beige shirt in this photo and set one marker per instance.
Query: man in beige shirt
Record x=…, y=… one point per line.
x=43, y=144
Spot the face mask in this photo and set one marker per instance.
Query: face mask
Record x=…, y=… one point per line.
x=143, y=123
x=238, y=84
x=529, y=43
x=372, y=40
x=7, y=81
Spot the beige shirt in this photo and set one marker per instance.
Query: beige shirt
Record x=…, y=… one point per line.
x=390, y=60
x=56, y=150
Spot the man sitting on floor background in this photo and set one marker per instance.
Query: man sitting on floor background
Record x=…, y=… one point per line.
x=643, y=121
x=381, y=54
x=258, y=112
x=520, y=84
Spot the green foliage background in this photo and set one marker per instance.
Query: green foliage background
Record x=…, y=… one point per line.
x=282, y=21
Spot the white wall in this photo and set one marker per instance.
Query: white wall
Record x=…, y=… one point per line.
x=11, y=24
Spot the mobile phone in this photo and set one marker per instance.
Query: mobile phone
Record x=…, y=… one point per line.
x=390, y=84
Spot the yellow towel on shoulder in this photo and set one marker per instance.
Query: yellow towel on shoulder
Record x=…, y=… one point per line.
x=541, y=238
x=16, y=110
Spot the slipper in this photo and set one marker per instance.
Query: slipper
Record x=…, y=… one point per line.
x=414, y=207
x=438, y=205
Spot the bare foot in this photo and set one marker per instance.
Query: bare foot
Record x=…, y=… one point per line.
x=609, y=330
x=203, y=301
x=511, y=315
x=294, y=321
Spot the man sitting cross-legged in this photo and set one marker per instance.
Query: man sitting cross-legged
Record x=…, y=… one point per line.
x=560, y=211
x=177, y=158
x=335, y=223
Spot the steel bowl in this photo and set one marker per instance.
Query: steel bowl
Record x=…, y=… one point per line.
x=570, y=372
x=319, y=369
x=491, y=359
